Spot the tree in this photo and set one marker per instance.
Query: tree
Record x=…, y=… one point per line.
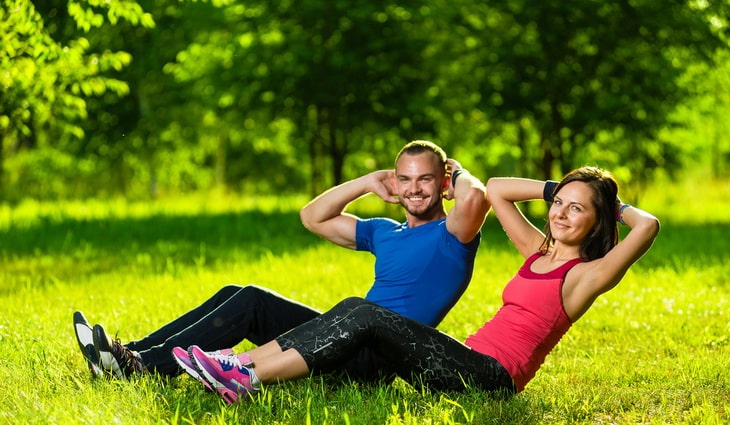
x=46, y=83
x=701, y=133
x=572, y=75
x=220, y=93
x=332, y=68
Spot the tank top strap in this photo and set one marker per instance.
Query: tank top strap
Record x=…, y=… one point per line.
x=560, y=271
x=569, y=265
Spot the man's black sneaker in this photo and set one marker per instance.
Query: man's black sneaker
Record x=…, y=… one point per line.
x=114, y=357
x=85, y=338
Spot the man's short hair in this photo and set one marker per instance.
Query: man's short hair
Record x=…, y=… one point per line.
x=419, y=146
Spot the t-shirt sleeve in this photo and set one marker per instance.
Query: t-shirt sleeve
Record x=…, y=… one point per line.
x=367, y=229
x=364, y=230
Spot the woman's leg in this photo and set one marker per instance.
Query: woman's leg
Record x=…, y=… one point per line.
x=418, y=353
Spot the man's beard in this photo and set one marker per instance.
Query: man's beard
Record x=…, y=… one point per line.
x=427, y=213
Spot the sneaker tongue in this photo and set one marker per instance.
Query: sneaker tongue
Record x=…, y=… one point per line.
x=245, y=359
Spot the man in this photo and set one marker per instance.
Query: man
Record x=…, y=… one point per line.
x=422, y=267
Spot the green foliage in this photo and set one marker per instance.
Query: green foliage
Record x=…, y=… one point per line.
x=45, y=83
x=47, y=173
x=45, y=86
x=571, y=81
x=86, y=13
x=332, y=69
x=701, y=128
x=31, y=63
x=653, y=350
x=170, y=96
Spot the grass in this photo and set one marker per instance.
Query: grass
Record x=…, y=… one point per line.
x=654, y=350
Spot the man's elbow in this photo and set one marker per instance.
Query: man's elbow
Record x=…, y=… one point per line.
x=476, y=203
x=305, y=216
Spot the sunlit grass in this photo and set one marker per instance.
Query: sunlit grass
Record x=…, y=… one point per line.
x=690, y=200
x=654, y=350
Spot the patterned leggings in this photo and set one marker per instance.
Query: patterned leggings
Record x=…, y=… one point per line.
x=417, y=353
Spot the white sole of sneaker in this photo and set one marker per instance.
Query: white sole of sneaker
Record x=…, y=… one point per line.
x=192, y=372
x=85, y=339
x=106, y=359
x=228, y=395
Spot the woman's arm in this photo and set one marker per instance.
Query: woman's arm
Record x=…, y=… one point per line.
x=503, y=194
x=603, y=274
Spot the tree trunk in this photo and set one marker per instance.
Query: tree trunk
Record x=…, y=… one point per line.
x=221, y=154
x=522, y=166
x=546, y=162
x=2, y=167
x=338, y=151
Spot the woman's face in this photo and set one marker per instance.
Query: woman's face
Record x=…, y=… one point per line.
x=572, y=215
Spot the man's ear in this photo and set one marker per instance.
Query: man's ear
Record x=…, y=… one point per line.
x=447, y=181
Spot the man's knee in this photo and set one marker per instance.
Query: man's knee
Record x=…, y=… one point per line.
x=249, y=294
x=228, y=291
x=239, y=295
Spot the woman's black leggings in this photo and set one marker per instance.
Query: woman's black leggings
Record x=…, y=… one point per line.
x=417, y=353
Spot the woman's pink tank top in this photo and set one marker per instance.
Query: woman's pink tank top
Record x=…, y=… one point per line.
x=529, y=324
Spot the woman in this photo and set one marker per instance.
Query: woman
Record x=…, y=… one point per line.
x=577, y=259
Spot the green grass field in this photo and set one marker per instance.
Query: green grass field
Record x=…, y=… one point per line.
x=654, y=350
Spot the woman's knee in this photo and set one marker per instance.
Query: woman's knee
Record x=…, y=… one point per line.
x=351, y=303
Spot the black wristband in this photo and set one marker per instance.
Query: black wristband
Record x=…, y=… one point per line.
x=454, y=175
x=547, y=191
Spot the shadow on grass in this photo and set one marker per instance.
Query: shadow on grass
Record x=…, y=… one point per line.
x=680, y=245
x=56, y=249
x=179, y=235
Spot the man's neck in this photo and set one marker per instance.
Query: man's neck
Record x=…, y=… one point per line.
x=414, y=221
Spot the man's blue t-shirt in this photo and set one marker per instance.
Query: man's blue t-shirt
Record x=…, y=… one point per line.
x=420, y=272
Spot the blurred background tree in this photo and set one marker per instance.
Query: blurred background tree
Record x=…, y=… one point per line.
x=153, y=98
x=51, y=72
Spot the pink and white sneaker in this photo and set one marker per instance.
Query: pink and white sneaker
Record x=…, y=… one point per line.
x=229, y=375
x=183, y=360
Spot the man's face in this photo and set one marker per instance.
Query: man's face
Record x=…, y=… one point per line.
x=419, y=182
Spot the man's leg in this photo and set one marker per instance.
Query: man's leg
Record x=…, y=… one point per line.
x=186, y=320
x=252, y=313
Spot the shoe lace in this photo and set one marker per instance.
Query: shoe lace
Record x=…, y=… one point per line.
x=228, y=359
x=130, y=362
x=247, y=366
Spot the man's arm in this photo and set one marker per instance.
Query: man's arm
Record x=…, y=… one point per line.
x=325, y=215
x=471, y=206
